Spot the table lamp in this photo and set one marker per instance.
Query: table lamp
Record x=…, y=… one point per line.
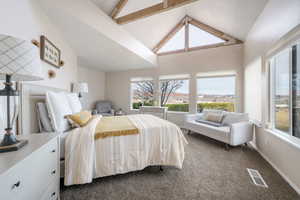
x=19, y=61
x=80, y=88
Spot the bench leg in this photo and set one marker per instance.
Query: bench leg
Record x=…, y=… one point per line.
x=244, y=147
x=227, y=147
x=161, y=168
x=189, y=132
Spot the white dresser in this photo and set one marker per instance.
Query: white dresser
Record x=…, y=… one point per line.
x=32, y=173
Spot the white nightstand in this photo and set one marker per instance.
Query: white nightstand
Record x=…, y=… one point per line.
x=32, y=172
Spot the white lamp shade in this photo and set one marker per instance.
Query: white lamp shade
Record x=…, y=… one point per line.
x=20, y=59
x=80, y=88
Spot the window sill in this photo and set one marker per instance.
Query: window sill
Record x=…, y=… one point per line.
x=291, y=140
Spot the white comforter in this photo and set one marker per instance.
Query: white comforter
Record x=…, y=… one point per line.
x=159, y=142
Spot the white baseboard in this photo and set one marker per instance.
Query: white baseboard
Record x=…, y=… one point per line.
x=294, y=186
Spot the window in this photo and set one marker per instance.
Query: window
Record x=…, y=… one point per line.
x=216, y=93
x=142, y=92
x=280, y=91
x=177, y=42
x=285, y=91
x=174, y=92
x=190, y=34
x=198, y=37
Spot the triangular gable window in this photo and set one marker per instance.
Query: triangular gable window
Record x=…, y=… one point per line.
x=177, y=42
x=190, y=34
x=199, y=37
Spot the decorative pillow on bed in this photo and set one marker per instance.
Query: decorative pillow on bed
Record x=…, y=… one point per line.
x=81, y=118
x=74, y=102
x=58, y=107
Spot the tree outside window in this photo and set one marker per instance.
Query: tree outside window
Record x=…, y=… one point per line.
x=142, y=94
x=174, y=94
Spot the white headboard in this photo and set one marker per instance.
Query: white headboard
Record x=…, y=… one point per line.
x=30, y=95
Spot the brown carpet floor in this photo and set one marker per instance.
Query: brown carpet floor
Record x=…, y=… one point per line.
x=209, y=173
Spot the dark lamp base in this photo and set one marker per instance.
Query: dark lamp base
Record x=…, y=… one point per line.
x=10, y=143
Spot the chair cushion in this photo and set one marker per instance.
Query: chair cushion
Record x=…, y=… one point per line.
x=221, y=133
x=107, y=114
x=209, y=122
x=231, y=118
x=103, y=107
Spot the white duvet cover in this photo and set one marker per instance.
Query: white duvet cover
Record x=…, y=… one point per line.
x=159, y=142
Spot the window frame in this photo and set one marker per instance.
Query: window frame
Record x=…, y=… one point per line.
x=138, y=80
x=176, y=77
x=271, y=90
x=185, y=22
x=218, y=76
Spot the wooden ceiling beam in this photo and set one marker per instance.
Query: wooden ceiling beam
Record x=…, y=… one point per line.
x=117, y=9
x=152, y=10
x=187, y=34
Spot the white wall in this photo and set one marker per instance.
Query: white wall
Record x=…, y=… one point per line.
x=96, y=83
x=26, y=20
x=222, y=59
x=277, y=19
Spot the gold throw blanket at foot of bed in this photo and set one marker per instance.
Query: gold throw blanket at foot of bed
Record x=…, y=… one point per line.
x=115, y=126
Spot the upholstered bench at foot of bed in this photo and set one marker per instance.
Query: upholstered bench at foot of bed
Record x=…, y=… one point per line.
x=235, y=134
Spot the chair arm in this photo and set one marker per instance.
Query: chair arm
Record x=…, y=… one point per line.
x=112, y=111
x=241, y=133
x=192, y=117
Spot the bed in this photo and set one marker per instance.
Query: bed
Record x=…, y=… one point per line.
x=157, y=142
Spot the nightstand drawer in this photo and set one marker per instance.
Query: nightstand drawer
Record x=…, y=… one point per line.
x=30, y=178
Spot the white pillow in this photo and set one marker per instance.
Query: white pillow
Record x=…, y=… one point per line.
x=58, y=107
x=74, y=102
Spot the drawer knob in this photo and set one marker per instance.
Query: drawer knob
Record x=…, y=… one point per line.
x=53, y=151
x=53, y=194
x=17, y=184
x=53, y=172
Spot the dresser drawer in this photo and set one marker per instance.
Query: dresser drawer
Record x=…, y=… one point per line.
x=30, y=178
x=52, y=192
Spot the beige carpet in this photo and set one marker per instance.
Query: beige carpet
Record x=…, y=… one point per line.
x=210, y=172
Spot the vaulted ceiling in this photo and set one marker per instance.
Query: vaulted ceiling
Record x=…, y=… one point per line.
x=234, y=17
x=98, y=40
